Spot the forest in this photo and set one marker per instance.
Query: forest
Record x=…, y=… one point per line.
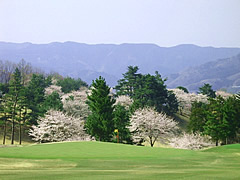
x=140, y=109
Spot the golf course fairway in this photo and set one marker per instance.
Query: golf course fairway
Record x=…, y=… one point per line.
x=99, y=160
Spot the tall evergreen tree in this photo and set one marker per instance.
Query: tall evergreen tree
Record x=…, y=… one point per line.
x=23, y=114
x=35, y=95
x=231, y=113
x=198, y=117
x=128, y=85
x=216, y=126
x=206, y=89
x=100, y=123
x=147, y=90
x=4, y=117
x=220, y=119
x=13, y=98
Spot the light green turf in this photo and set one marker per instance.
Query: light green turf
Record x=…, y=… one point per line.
x=98, y=160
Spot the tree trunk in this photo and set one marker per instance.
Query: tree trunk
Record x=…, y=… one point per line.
x=20, y=133
x=151, y=141
x=5, y=129
x=13, y=123
x=216, y=142
x=12, y=135
x=20, y=128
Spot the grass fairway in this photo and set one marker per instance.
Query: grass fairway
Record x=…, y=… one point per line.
x=98, y=160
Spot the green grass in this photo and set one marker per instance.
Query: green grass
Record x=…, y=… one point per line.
x=98, y=160
x=16, y=141
x=25, y=138
x=182, y=120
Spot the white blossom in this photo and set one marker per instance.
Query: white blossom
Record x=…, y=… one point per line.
x=54, y=81
x=223, y=94
x=79, y=94
x=185, y=100
x=74, y=103
x=149, y=125
x=124, y=101
x=49, y=90
x=191, y=141
x=56, y=126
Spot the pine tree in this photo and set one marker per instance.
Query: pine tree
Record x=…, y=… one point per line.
x=216, y=125
x=147, y=90
x=207, y=90
x=127, y=85
x=13, y=98
x=198, y=117
x=4, y=117
x=231, y=113
x=100, y=123
x=23, y=114
x=35, y=94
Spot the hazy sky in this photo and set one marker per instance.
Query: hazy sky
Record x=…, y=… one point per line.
x=164, y=22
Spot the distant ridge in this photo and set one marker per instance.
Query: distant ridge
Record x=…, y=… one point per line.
x=110, y=60
x=222, y=73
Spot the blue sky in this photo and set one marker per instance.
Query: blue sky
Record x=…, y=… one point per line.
x=163, y=22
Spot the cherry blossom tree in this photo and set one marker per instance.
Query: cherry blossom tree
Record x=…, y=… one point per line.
x=124, y=100
x=79, y=94
x=74, y=103
x=223, y=94
x=148, y=125
x=53, y=88
x=191, y=141
x=185, y=100
x=56, y=126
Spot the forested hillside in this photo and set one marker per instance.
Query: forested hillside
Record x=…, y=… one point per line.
x=222, y=74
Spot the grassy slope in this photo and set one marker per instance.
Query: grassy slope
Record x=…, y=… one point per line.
x=25, y=141
x=97, y=160
x=25, y=138
x=182, y=120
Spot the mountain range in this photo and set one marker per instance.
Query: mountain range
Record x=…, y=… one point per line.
x=88, y=61
x=221, y=74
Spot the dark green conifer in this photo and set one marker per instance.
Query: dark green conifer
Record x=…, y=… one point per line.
x=100, y=122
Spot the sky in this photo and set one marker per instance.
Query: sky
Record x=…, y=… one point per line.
x=163, y=22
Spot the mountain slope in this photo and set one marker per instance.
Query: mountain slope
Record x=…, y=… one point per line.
x=222, y=73
x=109, y=60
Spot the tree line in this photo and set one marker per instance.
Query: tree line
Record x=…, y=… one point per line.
x=139, y=108
x=23, y=99
x=219, y=118
x=145, y=91
x=25, y=102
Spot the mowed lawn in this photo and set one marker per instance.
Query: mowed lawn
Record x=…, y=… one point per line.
x=98, y=160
